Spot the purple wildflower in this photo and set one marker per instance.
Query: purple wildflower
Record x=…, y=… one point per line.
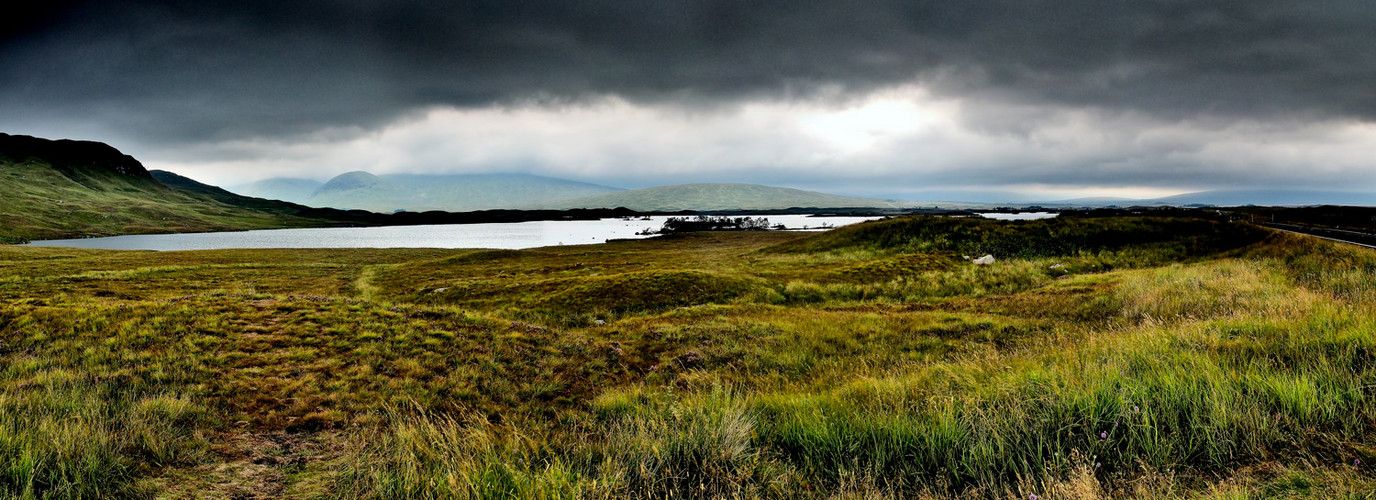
x=1103, y=435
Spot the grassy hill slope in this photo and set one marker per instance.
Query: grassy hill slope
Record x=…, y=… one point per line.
x=721, y=197
x=67, y=189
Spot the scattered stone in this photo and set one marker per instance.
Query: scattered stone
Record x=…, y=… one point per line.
x=984, y=261
x=598, y=322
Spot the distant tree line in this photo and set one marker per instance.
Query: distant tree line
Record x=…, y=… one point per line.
x=713, y=223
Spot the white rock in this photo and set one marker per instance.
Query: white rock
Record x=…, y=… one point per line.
x=984, y=261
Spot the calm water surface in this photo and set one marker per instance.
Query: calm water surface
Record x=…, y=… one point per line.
x=510, y=235
x=1020, y=215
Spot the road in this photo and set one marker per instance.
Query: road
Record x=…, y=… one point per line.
x=1340, y=235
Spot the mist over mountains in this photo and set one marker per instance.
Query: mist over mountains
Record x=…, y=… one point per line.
x=1230, y=198
x=1282, y=197
x=720, y=196
x=389, y=193
x=415, y=193
x=468, y=192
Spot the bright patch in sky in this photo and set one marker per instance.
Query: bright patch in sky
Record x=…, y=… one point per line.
x=893, y=141
x=859, y=128
x=1058, y=193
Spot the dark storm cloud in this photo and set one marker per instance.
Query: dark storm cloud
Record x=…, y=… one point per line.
x=228, y=69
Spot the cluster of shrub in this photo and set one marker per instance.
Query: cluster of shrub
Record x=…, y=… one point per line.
x=713, y=223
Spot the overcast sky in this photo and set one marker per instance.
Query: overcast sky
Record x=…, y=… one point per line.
x=972, y=99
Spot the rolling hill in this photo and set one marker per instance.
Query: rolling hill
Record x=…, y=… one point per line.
x=723, y=197
x=67, y=189
x=1234, y=198
x=1269, y=197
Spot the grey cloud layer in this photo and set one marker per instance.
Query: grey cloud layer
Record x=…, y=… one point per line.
x=187, y=71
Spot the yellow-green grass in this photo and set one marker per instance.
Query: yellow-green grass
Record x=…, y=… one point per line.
x=1153, y=358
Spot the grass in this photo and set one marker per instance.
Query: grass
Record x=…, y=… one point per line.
x=1135, y=357
x=63, y=434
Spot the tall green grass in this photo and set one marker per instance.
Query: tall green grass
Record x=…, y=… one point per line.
x=426, y=455
x=66, y=435
x=699, y=447
x=1150, y=398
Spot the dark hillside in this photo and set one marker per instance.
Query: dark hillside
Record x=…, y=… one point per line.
x=67, y=189
x=91, y=164
x=1066, y=235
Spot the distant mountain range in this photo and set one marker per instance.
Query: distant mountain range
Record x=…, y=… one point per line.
x=389, y=193
x=280, y=188
x=1233, y=198
x=724, y=197
x=417, y=193
x=1241, y=197
x=55, y=189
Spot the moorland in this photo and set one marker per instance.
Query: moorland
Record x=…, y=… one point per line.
x=1182, y=356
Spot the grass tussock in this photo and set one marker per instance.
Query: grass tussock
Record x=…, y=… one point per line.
x=63, y=435
x=697, y=448
x=427, y=455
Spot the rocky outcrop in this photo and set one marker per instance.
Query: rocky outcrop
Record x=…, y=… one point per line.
x=81, y=161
